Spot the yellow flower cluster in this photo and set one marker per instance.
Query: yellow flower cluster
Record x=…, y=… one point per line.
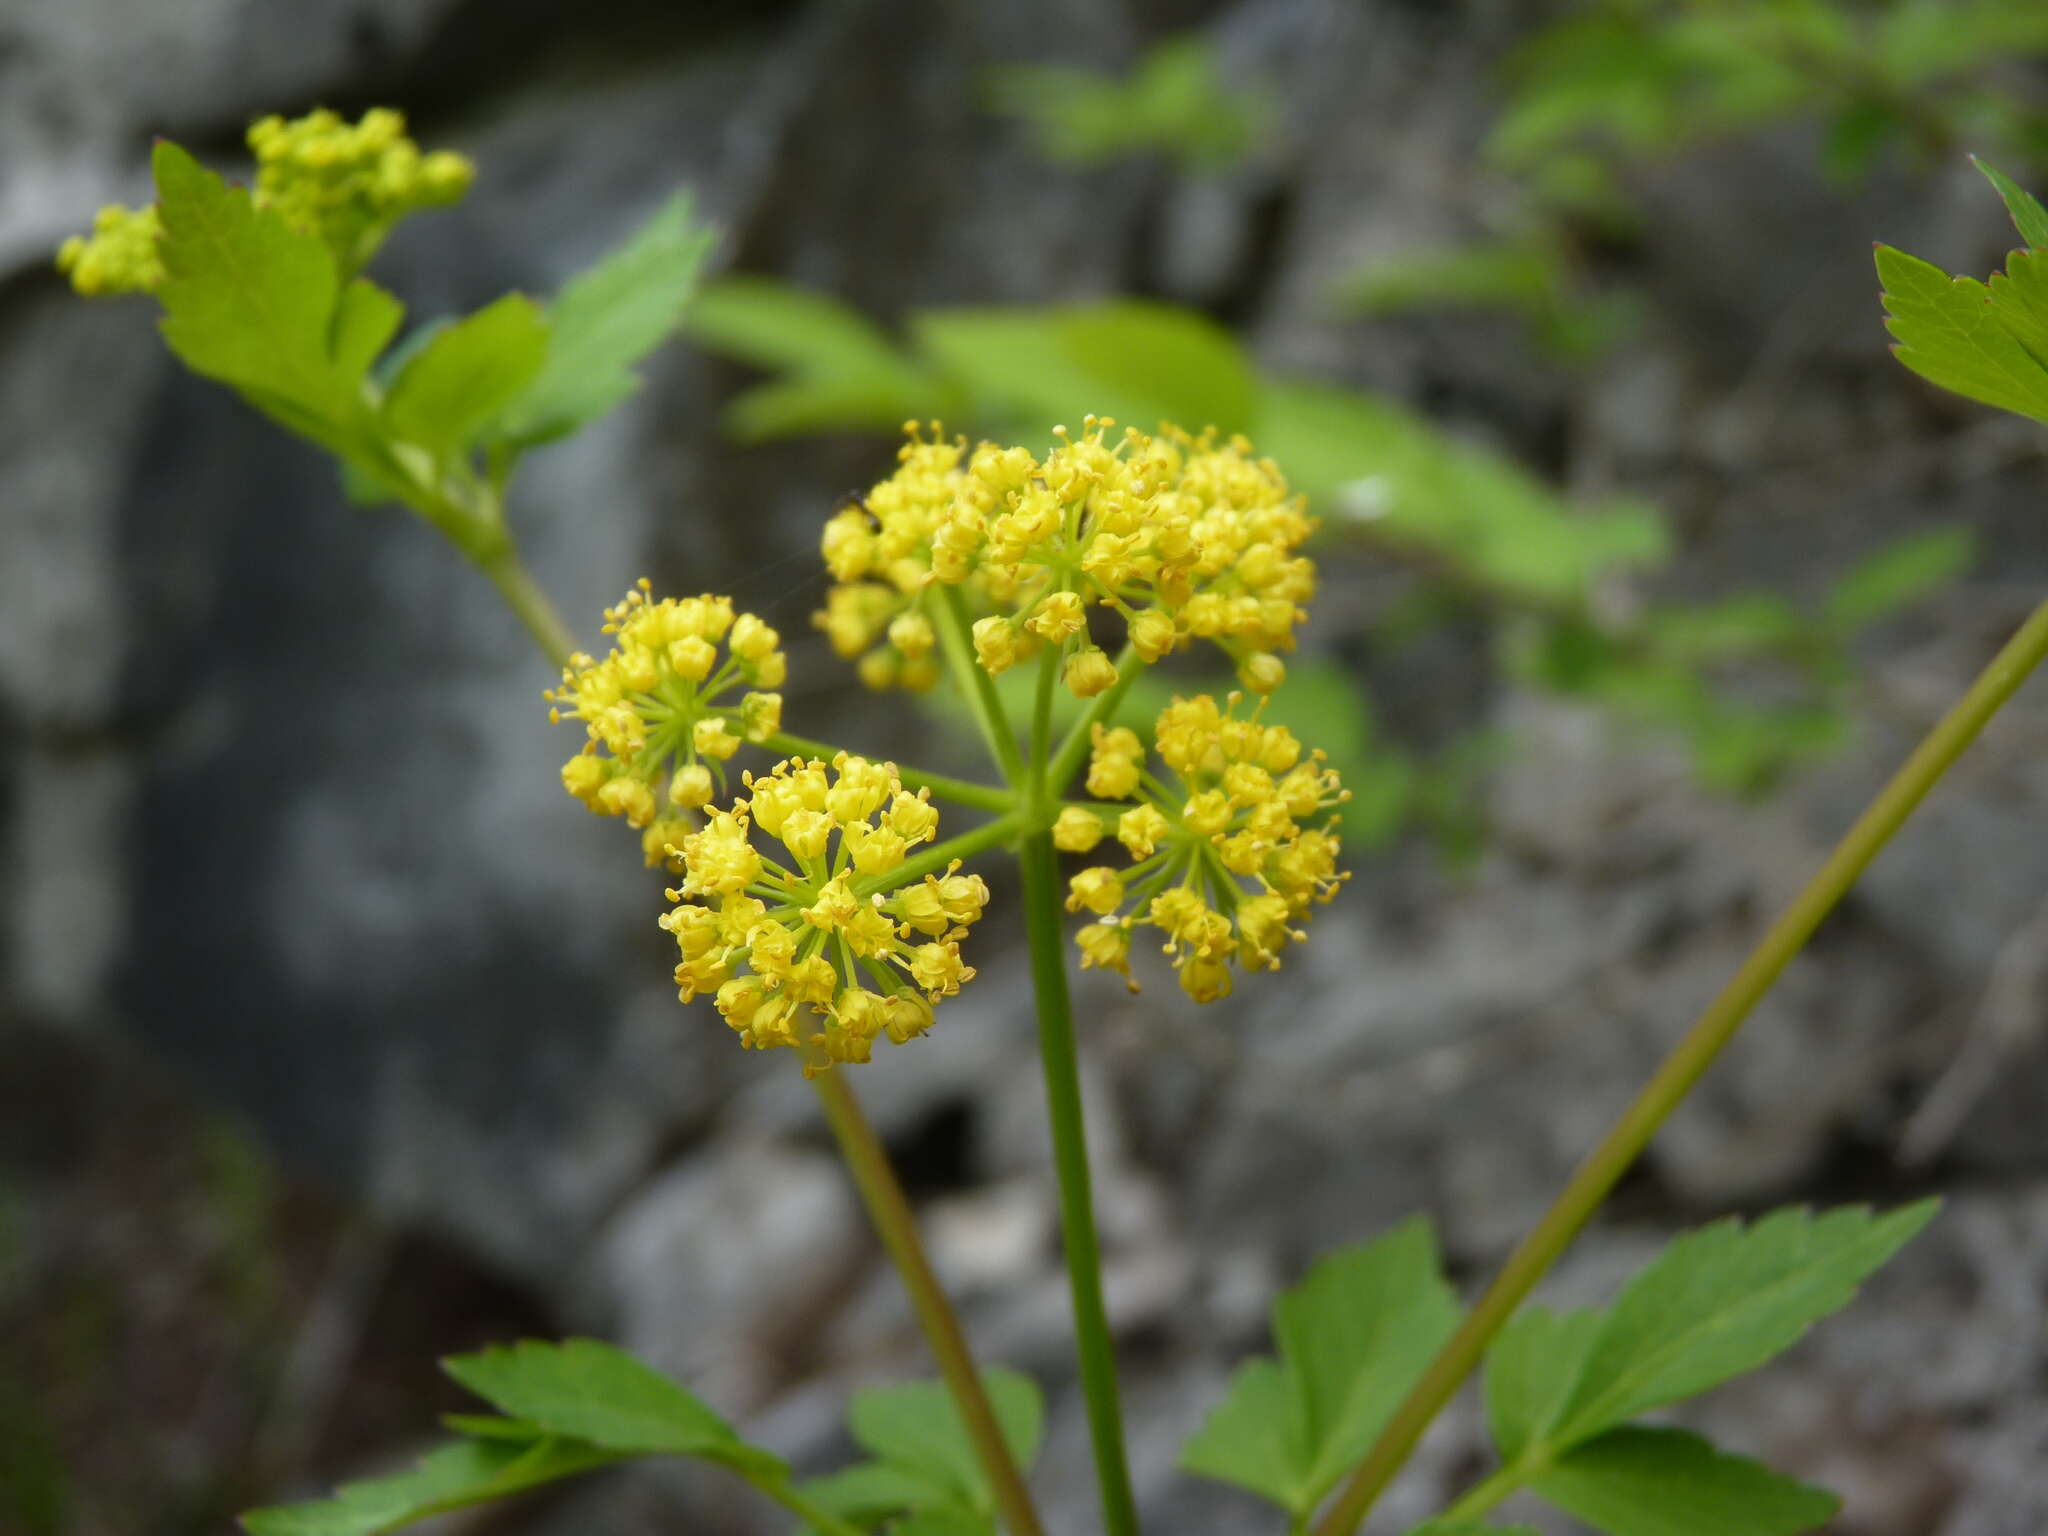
x=658, y=705
x=350, y=184
x=1227, y=865
x=812, y=950
x=1184, y=538
x=120, y=256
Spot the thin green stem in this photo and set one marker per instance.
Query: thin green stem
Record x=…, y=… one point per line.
x=1482, y=1496
x=935, y=858
x=1077, y=1201
x=977, y=685
x=529, y=604
x=1591, y=1181
x=888, y=1207
x=890, y=1212
x=1067, y=760
x=983, y=797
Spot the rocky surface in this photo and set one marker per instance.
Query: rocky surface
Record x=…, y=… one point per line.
x=278, y=809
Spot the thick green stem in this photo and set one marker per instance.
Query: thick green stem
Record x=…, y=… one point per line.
x=890, y=1212
x=1483, y=1496
x=1077, y=1201
x=528, y=603
x=1590, y=1183
x=985, y=797
x=982, y=698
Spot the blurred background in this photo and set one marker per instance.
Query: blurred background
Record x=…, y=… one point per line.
x=334, y=1037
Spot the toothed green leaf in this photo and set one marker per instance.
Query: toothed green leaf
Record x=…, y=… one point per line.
x=1667, y=1482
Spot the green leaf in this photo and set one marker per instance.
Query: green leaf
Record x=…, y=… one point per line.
x=1353, y=1338
x=466, y=374
x=2028, y=216
x=872, y=1489
x=593, y=1392
x=464, y=1473
x=917, y=1426
x=605, y=321
x=1530, y=1369
x=1666, y=1482
x=364, y=322
x=1949, y=333
x=842, y=372
x=1141, y=363
x=251, y=304
x=1898, y=576
x=1721, y=1301
x=1394, y=478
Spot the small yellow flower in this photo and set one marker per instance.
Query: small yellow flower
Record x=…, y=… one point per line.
x=660, y=703
x=1076, y=830
x=808, y=948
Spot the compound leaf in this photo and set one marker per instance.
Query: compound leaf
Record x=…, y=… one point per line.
x=466, y=374
x=2028, y=216
x=1949, y=333
x=1532, y=1366
x=466, y=1472
x=1721, y=1301
x=917, y=1428
x=1667, y=1482
x=1353, y=1337
x=605, y=321
x=591, y=1391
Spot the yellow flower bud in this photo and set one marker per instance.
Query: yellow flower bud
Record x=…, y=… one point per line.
x=713, y=739
x=1076, y=830
x=1140, y=829
x=912, y=634
x=1060, y=617
x=1099, y=889
x=1262, y=671
x=995, y=645
x=691, y=787
x=1089, y=672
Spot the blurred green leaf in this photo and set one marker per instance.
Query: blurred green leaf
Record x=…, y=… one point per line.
x=842, y=372
x=1531, y=1367
x=1667, y=1482
x=1174, y=102
x=1897, y=576
x=453, y=1477
x=917, y=1426
x=605, y=322
x=594, y=1392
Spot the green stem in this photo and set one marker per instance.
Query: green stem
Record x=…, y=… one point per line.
x=984, y=797
x=1481, y=1497
x=890, y=1212
x=1041, y=720
x=888, y=1207
x=939, y=855
x=1042, y=912
x=1594, y=1177
x=1065, y=762
x=979, y=687
x=528, y=603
